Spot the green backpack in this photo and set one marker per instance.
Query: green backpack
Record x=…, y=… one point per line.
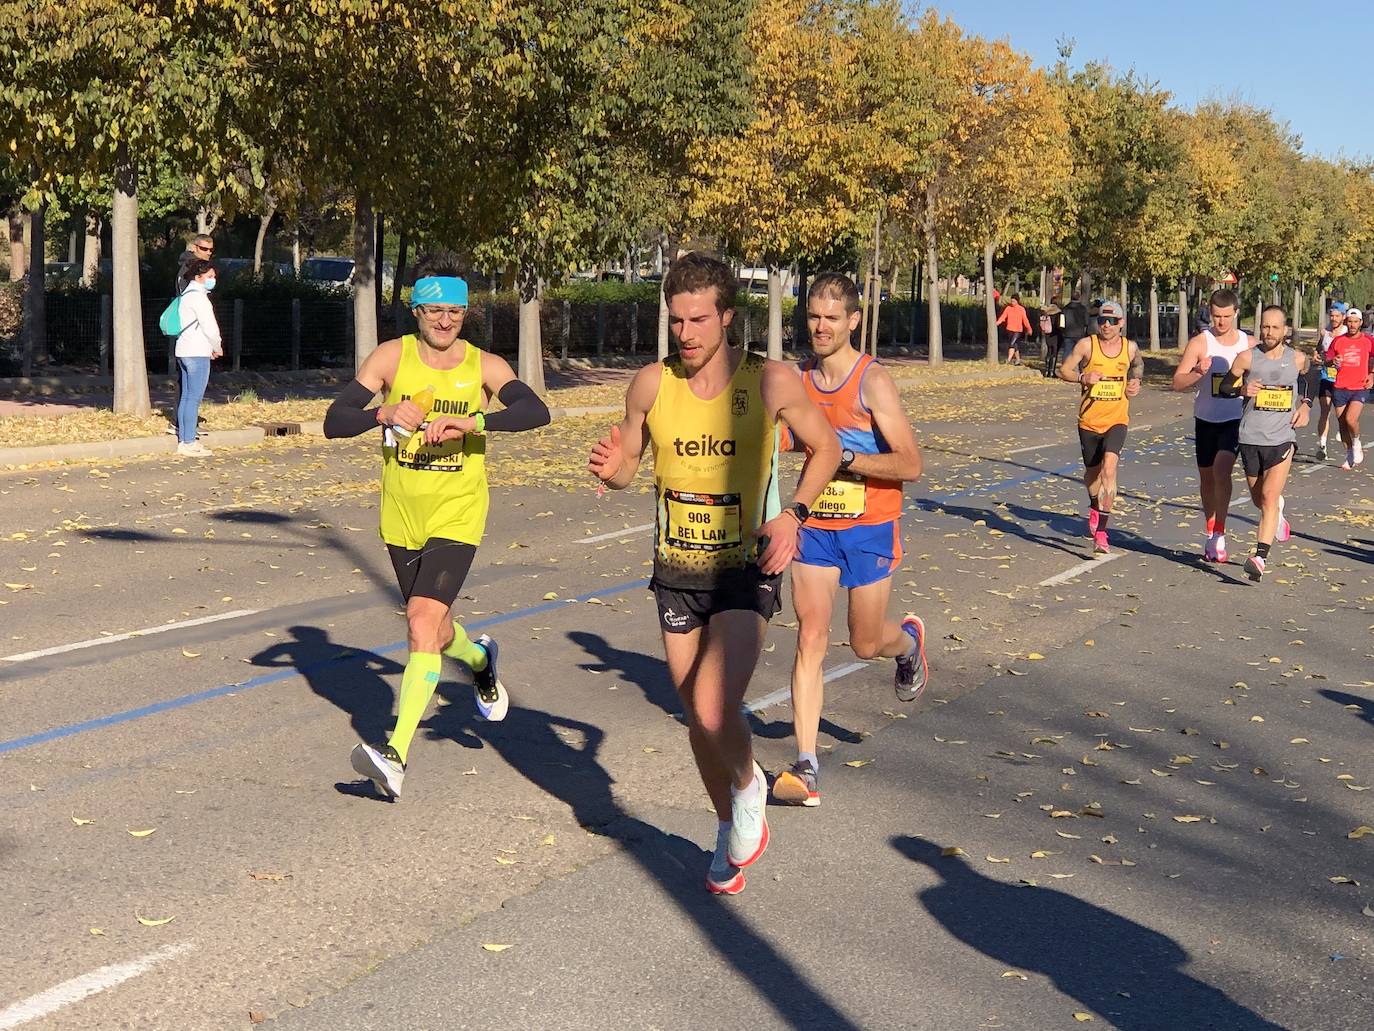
x=170, y=319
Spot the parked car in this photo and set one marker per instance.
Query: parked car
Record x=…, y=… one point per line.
x=332, y=270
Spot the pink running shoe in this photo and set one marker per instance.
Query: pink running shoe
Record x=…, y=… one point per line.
x=1285, y=531
x=1092, y=522
x=1100, y=546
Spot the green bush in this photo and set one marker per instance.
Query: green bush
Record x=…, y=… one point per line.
x=610, y=291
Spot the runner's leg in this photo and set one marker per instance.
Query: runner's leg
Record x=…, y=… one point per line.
x=813, y=597
x=711, y=668
x=871, y=633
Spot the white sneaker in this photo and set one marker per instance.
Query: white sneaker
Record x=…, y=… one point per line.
x=721, y=877
x=381, y=765
x=193, y=450
x=489, y=694
x=1358, y=453
x=748, y=822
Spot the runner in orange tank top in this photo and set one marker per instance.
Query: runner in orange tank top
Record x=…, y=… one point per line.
x=853, y=537
x=1109, y=369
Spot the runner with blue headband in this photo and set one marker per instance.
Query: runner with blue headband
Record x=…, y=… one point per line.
x=435, y=387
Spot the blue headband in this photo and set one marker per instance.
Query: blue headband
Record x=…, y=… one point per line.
x=439, y=290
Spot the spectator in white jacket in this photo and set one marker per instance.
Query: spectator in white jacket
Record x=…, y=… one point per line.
x=197, y=345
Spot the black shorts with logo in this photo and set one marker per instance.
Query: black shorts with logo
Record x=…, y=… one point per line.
x=682, y=610
x=1096, y=445
x=1260, y=458
x=1211, y=438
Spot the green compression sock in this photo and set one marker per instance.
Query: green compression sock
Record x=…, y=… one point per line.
x=473, y=656
x=418, y=682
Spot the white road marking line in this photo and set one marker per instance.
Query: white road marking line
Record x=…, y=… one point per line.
x=627, y=532
x=784, y=694
x=147, y=632
x=78, y=988
x=1078, y=570
x=1314, y=468
x=195, y=512
x=1066, y=440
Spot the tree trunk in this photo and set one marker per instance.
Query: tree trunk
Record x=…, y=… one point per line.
x=16, y=245
x=1259, y=307
x=90, y=251
x=364, y=279
x=1182, y=315
x=531, y=355
x=935, y=345
x=877, y=281
x=911, y=336
x=662, y=322
x=866, y=281
x=207, y=217
x=629, y=275
x=1154, y=314
x=1322, y=316
x=1044, y=286
x=1085, y=287
x=296, y=247
x=380, y=219
x=403, y=248
x=264, y=220
x=72, y=241
x=1125, y=295
x=989, y=305
x=774, y=311
x=801, y=338
x=1297, y=311
x=35, y=297
x=130, y=363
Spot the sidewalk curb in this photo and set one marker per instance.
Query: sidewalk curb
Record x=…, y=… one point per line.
x=136, y=447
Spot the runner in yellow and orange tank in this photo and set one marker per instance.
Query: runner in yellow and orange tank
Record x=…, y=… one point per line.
x=436, y=386
x=722, y=538
x=1109, y=369
x=853, y=539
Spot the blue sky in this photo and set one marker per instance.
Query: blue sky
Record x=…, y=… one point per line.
x=1270, y=54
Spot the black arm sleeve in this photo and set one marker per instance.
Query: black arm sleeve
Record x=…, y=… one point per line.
x=524, y=410
x=348, y=416
x=1307, y=383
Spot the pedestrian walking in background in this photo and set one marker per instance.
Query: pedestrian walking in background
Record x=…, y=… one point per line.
x=198, y=344
x=1051, y=337
x=1018, y=326
x=1073, y=320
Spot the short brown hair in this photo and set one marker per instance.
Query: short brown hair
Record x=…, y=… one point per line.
x=694, y=272
x=1223, y=299
x=836, y=284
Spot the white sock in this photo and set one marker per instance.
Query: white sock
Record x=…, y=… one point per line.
x=749, y=792
x=1322, y=440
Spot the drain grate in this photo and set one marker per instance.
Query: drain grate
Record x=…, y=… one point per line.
x=279, y=429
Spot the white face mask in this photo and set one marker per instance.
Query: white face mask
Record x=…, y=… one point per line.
x=209, y=284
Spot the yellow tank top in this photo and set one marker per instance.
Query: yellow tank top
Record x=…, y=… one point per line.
x=715, y=475
x=1105, y=404
x=435, y=491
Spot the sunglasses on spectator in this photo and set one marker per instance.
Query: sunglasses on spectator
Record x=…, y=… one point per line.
x=1109, y=320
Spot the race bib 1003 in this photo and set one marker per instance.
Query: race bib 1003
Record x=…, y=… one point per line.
x=841, y=499
x=701, y=522
x=1111, y=388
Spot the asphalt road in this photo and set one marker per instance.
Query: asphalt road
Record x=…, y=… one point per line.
x=1150, y=768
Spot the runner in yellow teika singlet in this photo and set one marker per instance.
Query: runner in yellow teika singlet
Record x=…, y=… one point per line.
x=436, y=386
x=710, y=413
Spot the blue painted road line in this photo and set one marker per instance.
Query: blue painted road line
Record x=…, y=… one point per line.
x=57, y=733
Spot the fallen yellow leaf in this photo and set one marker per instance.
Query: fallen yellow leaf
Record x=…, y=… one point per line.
x=952, y=850
x=490, y=947
x=997, y=859
x=856, y=763
x=1187, y=819
x=1360, y=832
x=1082, y=1017
x=142, y=834
x=1016, y=974
x=98, y=931
x=1035, y=656
x=148, y=922
x=190, y=654
x=80, y=822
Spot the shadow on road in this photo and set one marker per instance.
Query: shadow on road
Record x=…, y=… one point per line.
x=349, y=679
x=560, y=756
x=1365, y=705
x=1089, y=953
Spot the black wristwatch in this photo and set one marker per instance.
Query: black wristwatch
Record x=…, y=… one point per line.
x=846, y=460
x=800, y=511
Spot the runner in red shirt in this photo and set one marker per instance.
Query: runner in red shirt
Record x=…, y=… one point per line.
x=1352, y=356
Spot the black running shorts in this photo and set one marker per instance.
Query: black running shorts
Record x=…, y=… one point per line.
x=1211, y=438
x=749, y=590
x=1260, y=458
x=435, y=571
x=1097, y=445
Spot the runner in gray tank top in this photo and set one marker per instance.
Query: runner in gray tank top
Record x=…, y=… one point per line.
x=1272, y=379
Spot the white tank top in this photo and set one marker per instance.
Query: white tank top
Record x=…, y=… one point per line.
x=1208, y=406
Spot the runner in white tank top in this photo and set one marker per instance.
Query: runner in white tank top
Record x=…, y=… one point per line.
x=1205, y=363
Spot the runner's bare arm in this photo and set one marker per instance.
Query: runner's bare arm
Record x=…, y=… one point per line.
x=349, y=416
x=1189, y=369
x=785, y=398
x=616, y=456
x=1069, y=370
x=904, y=461
x=1231, y=384
x=1136, y=374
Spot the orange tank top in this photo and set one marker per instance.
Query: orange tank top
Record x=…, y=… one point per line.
x=1104, y=404
x=850, y=499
